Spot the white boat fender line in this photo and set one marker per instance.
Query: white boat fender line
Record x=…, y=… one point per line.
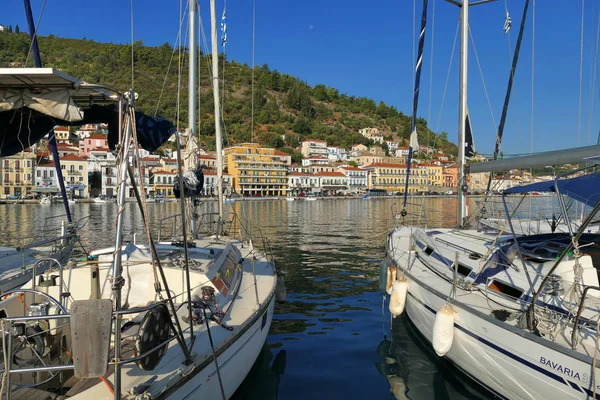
x=398, y=296
x=443, y=330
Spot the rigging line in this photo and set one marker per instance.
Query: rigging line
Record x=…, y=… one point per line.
x=437, y=128
x=253, y=41
x=132, y=59
x=532, y=75
x=511, y=79
x=580, y=73
x=594, y=71
x=224, y=44
x=175, y=48
x=414, y=29
x=482, y=78
x=37, y=27
x=179, y=68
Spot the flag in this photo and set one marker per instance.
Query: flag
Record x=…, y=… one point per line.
x=223, y=29
x=507, y=23
x=469, y=143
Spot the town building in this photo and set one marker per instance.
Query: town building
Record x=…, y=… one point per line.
x=17, y=174
x=209, y=161
x=210, y=183
x=62, y=134
x=314, y=147
x=332, y=183
x=356, y=179
x=336, y=153
x=96, y=141
x=162, y=182
x=314, y=160
x=46, y=179
x=257, y=170
x=75, y=175
x=372, y=133
x=300, y=183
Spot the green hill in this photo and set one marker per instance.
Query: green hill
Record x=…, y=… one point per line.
x=283, y=105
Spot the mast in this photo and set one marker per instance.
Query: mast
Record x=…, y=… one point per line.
x=462, y=110
x=192, y=93
x=218, y=134
x=193, y=68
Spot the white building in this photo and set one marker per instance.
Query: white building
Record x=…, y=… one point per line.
x=392, y=145
x=336, y=153
x=210, y=183
x=314, y=147
x=332, y=183
x=356, y=178
x=46, y=180
x=299, y=182
x=315, y=160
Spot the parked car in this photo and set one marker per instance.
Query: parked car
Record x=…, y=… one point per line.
x=14, y=197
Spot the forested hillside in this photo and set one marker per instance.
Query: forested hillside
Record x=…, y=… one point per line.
x=286, y=109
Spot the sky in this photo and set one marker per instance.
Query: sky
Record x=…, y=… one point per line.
x=366, y=49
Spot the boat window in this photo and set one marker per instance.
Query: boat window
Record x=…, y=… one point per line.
x=2, y=314
x=464, y=270
x=428, y=250
x=505, y=289
x=226, y=274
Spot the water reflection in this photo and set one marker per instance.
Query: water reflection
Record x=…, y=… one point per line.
x=329, y=251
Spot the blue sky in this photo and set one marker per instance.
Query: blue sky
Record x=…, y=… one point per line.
x=365, y=49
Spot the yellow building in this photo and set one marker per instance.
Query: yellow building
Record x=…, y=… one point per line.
x=256, y=170
x=434, y=175
x=392, y=178
x=17, y=174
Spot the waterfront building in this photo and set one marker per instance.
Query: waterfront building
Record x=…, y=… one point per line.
x=314, y=160
x=209, y=161
x=62, y=134
x=46, y=179
x=368, y=159
x=162, y=182
x=332, y=183
x=257, y=170
x=210, y=183
x=314, y=147
x=356, y=179
x=17, y=174
x=300, y=182
x=392, y=178
x=75, y=175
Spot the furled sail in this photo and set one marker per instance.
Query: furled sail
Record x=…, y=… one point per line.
x=414, y=142
x=193, y=176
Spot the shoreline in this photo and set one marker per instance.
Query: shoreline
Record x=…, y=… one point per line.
x=236, y=199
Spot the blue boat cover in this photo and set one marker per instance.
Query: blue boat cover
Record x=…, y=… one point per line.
x=585, y=189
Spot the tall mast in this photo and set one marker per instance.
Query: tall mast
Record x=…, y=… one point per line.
x=193, y=68
x=218, y=134
x=462, y=110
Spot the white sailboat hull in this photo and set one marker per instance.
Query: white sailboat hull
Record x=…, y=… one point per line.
x=508, y=361
x=234, y=363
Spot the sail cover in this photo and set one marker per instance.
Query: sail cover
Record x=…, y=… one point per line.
x=585, y=189
x=34, y=100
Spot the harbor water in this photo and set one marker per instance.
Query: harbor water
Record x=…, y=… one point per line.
x=331, y=338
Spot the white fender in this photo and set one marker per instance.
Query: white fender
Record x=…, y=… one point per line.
x=443, y=330
x=398, y=296
x=391, y=278
x=398, y=387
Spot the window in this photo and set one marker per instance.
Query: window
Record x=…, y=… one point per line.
x=17, y=164
x=81, y=167
x=6, y=164
x=51, y=174
x=81, y=179
x=39, y=173
x=6, y=190
x=6, y=178
x=18, y=178
x=62, y=167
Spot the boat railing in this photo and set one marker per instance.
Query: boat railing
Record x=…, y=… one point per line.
x=414, y=214
x=578, y=315
x=15, y=328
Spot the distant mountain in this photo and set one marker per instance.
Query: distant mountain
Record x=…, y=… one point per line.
x=286, y=110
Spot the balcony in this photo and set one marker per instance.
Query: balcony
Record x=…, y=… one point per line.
x=76, y=173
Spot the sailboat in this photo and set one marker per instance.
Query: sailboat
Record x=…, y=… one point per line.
x=178, y=319
x=518, y=313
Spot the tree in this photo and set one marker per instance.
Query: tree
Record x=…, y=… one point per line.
x=353, y=164
x=17, y=29
x=302, y=126
x=10, y=29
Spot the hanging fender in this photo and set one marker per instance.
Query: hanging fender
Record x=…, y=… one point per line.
x=391, y=278
x=398, y=296
x=443, y=330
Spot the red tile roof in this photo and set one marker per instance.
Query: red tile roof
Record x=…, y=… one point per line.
x=160, y=172
x=206, y=157
x=97, y=136
x=106, y=149
x=300, y=174
x=329, y=174
x=72, y=157
x=352, y=168
x=387, y=165
x=213, y=172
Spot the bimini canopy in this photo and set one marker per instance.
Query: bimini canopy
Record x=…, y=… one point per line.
x=585, y=189
x=35, y=100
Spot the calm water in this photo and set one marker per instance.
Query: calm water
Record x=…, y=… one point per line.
x=327, y=340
